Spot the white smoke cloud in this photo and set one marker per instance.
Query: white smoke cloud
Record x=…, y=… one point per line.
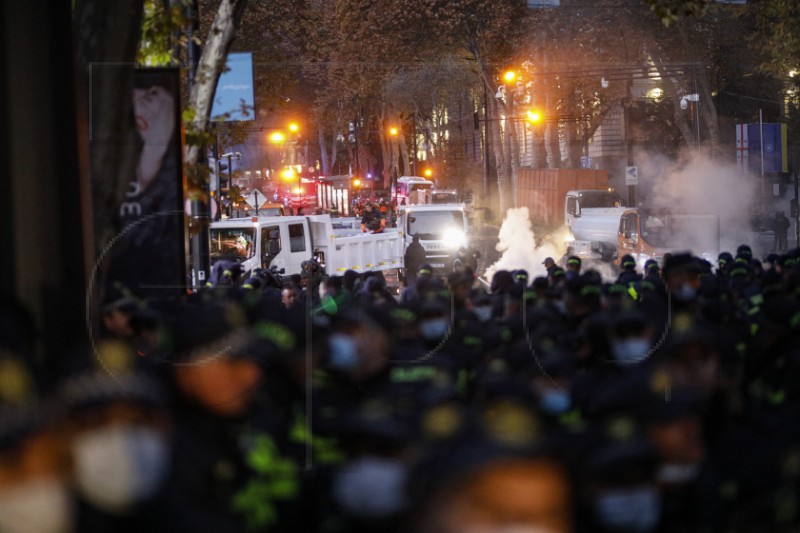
x=517, y=244
x=713, y=191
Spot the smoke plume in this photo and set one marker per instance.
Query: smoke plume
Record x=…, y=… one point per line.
x=715, y=199
x=517, y=245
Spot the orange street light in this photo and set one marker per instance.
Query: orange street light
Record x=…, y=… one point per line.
x=534, y=116
x=277, y=137
x=428, y=173
x=393, y=131
x=293, y=127
x=509, y=76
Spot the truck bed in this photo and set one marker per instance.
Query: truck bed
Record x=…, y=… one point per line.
x=543, y=191
x=347, y=249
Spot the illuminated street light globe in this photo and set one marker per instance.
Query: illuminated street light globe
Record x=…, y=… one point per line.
x=534, y=116
x=294, y=128
x=393, y=131
x=288, y=174
x=277, y=137
x=509, y=76
x=428, y=173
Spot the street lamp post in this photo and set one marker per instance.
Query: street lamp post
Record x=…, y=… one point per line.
x=393, y=132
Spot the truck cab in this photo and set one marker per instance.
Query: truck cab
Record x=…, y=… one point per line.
x=579, y=202
x=649, y=234
x=262, y=242
x=592, y=218
x=442, y=229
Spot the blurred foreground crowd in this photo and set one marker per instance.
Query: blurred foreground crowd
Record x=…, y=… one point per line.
x=664, y=401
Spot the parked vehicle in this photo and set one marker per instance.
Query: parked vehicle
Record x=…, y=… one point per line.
x=608, y=234
x=545, y=192
x=285, y=242
x=442, y=230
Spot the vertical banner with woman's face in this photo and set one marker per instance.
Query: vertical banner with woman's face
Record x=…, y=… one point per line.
x=148, y=255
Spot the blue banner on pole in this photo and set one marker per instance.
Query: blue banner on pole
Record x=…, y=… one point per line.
x=234, y=99
x=774, y=148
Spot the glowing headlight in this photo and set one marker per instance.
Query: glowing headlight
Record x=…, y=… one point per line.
x=454, y=238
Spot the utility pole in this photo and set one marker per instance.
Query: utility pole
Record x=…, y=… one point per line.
x=796, y=204
x=485, y=143
x=629, y=139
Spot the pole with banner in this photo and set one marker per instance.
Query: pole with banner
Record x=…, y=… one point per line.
x=631, y=180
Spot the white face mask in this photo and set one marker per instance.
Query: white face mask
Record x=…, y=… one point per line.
x=483, y=312
x=631, y=510
x=371, y=486
x=119, y=466
x=38, y=506
x=675, y=474
x=630, y=351
x=434, y=329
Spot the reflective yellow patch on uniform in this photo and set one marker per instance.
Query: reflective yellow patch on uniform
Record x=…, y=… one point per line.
x=16, y=386
x=660, y=382
x=115, y=357
x=511, y=424
x=682, y=323
x=442, y=421
x=621, y=428
x=412, y=374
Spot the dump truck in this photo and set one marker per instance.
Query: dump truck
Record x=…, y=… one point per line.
x=442, y=229
x=285, y=242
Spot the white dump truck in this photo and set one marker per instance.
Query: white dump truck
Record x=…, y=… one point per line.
x=442, y=229
x=285, y=242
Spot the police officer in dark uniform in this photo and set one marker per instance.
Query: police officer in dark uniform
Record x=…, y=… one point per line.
x=628, y=274
x=214, y=384
x=373, y=220
x=413, y=259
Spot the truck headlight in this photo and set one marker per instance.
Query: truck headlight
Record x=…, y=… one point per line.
x=454, y=238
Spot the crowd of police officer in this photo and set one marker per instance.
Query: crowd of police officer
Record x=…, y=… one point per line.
x=666, y=400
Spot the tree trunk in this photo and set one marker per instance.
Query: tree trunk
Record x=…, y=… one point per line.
x=709, y=113
x=501, y=161
x=212, y=62
x=681, y=116
x=574, y=145
x=323, y=150
x=512, y=148
x=403, y=165
x=551, y=135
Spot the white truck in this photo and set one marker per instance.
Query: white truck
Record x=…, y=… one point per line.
x=607, y=234
x=442, y=229
x=285, y=242
x=593, y=218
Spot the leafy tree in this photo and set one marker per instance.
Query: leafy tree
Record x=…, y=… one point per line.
x=488, y=33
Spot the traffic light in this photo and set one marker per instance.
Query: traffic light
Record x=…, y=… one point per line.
x=218, y=169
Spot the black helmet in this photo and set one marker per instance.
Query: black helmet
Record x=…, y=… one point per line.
x=628, y=262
